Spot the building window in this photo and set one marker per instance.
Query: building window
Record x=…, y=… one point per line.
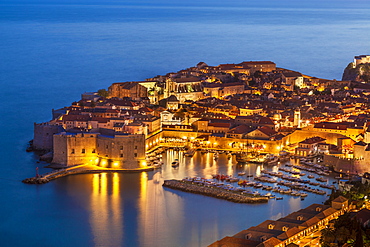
x=83, y=151
x=135, y=155
x=121, y=147
x=93, y=151
x=135, y=147
x=73, y=151
x=121, y=155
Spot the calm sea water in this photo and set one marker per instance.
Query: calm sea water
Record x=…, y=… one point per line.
x=51, y=53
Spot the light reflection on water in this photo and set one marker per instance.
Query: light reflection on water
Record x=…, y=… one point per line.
x=133, y=209
x=106, y=212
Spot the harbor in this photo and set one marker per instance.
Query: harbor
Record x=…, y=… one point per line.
x=295, y=177
x=189, y=207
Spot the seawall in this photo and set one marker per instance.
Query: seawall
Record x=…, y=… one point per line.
x=45, y=178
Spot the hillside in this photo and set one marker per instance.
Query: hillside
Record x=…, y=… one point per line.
x=360, y=73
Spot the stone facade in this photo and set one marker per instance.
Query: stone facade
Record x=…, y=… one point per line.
x=263, y=66
x=43, y=136
x=127, y=89
x=121, y=151
x=75, y=148
x=184, y=89
x=107, y=149
x=361, y=59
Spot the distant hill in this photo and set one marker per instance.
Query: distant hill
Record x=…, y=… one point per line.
x=360, y=73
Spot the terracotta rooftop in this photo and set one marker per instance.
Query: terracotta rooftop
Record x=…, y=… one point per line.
x=313, y=140
x=271, y=242
x=267, y=131
x=234, y=242
x=187, y=79
x=340, y=199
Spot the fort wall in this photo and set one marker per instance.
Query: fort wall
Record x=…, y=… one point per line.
x=43, y=135
x=301, y=135
x=121, y=151
x=75, y=149
x=116, y=151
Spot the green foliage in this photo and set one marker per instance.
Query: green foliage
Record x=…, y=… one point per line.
x=334, y=194
x=357, y=193
x=344, y=230
x=103, y=93
x=327, y=237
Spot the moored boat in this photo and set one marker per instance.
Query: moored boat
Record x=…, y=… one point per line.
x=246, y=158
x=175, y=163
x=190, y=152
x=271, y=160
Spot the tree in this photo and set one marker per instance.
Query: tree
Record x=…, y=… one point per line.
x=343, y=234
x=359, y=242
x=327, y=237
x=103, y=93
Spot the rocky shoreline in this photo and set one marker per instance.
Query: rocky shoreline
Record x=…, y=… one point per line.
x=214, y=192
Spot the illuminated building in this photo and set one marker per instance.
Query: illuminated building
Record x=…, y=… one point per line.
x=107, y=148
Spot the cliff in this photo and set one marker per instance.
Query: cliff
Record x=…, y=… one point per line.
x=360, y=73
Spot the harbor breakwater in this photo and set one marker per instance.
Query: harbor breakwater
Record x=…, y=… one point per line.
x=214, y=192
x=47, y=177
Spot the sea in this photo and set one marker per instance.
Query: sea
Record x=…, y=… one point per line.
x=53, y=51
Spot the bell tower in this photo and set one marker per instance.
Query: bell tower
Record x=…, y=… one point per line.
x=297, y=118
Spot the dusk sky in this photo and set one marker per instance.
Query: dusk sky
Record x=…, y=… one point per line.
x=272, y=3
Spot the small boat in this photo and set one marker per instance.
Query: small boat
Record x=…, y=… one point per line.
x=278, y=198
x=190, y=152
x=271, y=160
x=175, y=163
x=215, y=156
x=241, y=173
x=310, y=176
x=158, y=165
x=321, y=179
